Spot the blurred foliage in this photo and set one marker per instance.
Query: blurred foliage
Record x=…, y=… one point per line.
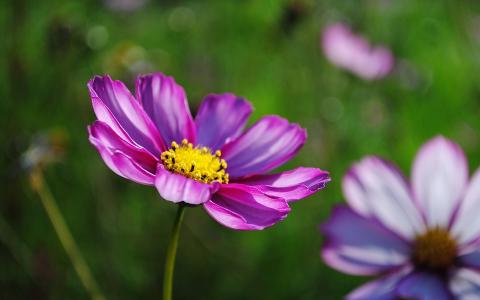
x=267, y=51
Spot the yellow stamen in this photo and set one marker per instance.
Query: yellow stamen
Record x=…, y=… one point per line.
x=195, y=163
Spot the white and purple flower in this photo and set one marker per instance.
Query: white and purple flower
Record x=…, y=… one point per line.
x=354, y=53
x=208, y=160
x=422, y=238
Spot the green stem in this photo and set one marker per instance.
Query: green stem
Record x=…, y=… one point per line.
x=63, y=233
x=171, y=254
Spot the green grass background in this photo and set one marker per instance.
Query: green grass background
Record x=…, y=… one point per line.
x=266, y=51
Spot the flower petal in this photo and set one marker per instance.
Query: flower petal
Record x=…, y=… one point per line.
x=122, y=164
x=440, y=175
x=165, y=102
x=243, y=207
x=102, y=134
x=290, y=185
x=114, y=104
x=359, y=246
x=104, y=114
x=178, y=188
x=266, y=145
x=380, y=289
x=465, y=284
x=352, y=52
x=466, y=223
x=424, y=286
x=471, y=259
x=376, y=188
x=220, y=119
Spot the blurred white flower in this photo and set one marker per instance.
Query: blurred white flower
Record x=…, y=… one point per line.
x=125, y=5
x=45, y=148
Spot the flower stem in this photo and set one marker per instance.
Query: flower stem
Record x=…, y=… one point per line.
x=171, y=254
x=66, y=239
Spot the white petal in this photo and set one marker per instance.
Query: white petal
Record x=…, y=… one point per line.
x=380, y=289
x=439, y=178
x=466, y=225
x=465, y=284
x=361, y=246
x=375, y=188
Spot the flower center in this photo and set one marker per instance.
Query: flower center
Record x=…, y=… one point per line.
x=435, y=249
x=195, y=163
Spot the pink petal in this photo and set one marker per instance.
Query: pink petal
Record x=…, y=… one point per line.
x=266, y=145
x=290, y=185
x=380, y=289
x=359, y=246
x=165, y=102
x=114, y=104
x=377, y=189
x=424, y=285
x=440, y=175
x=220, y=119
x=243, y=207
x=178, y=188
x=102, y=134
x=104, y=114
x=465, y=284
x=354, y=53
x=122, y=164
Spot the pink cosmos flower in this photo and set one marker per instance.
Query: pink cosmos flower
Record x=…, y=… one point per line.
x=353, y=53
x=208, y=160
x=421, y=237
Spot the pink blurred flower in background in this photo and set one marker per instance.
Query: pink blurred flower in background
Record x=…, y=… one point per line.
x=421, y=237
x=354, y=53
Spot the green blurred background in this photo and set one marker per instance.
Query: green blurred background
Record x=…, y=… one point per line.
x=267, y=51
